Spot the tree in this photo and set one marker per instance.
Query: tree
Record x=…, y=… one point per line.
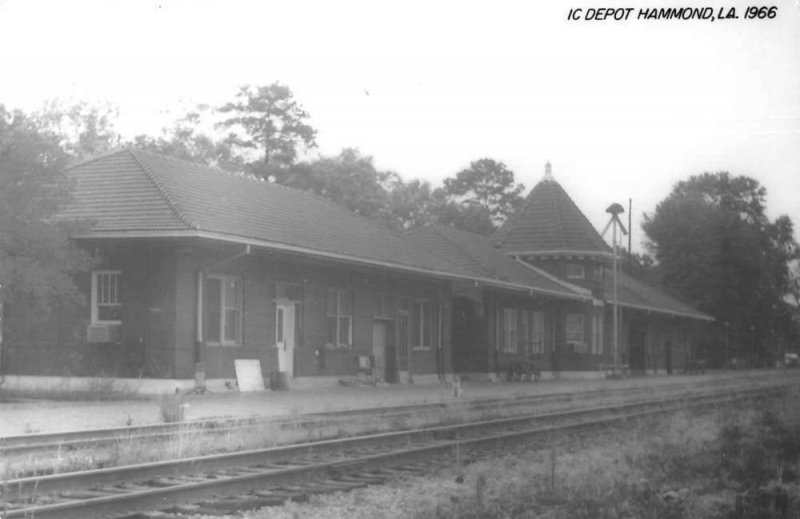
x=82, y=130
x=639, y=266
x=37, y=258
x=716, y=248
x=349, y=179
x=412, y=204
x=186, y=140
x=470, y=217
x=489, y=184
x=266, y=127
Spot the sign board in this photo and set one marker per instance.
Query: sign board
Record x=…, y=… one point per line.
x=248, y=374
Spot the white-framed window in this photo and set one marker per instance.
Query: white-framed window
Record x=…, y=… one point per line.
x=537, y=332
x=223, y=310
x=531, y=333
x=575, y=332
x=384, y=306
x=340, y=317
x=421, y=321
x=510, y=337
x=525, y=344
x=106, y=297
x=597, y=332
x=576, y=271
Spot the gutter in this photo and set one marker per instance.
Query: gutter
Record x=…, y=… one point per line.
x=704, y=317
x=282, y=247
x=556, y=252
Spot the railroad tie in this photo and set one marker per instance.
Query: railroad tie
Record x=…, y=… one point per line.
x=271, y=497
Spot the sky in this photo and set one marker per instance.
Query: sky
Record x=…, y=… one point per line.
x=622, y=109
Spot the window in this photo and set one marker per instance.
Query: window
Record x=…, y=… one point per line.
x=421, y=319
x=575, y=331
x=384, y=306
x=597, y=332
x=223, y=310
x=525, y=345
x=537, y=332
x=279, y=325
x=106, y=297
x=340, y=317
x=594, y=272
x=575, y=271
x=531, y=333
x=510, y=330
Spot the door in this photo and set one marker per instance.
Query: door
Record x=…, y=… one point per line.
x=379, y=336
x=285, y=336
x=403, y=350
x=636, y=341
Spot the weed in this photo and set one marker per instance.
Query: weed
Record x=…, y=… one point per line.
x=172, y=408
x=726, y=465
x=100, y=388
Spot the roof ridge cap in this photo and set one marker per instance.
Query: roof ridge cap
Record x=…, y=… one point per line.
x=173, y=205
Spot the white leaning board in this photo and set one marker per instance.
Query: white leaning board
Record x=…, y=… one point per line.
x=248, y=374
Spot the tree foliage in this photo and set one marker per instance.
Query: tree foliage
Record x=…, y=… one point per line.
x=349, y=179
x=266, y=126
x=81, y=130
x=639, y=266
x=489, y=185
x=187, y=140
x=717, y=248
x=37, y=259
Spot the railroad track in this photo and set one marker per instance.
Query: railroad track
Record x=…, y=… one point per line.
x=264, y=477
x=43, y=443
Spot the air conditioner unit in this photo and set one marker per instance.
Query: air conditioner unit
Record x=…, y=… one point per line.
x=103, y=333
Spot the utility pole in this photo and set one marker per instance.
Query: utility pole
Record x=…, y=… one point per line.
x=615, y=210
x=630, y=223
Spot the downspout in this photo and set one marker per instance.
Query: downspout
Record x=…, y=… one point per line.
x=496, y=339
x=2, y=329
x=439, y=348
x=554, y=361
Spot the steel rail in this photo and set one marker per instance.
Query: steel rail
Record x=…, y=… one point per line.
x=81, y=479
x=297, y=463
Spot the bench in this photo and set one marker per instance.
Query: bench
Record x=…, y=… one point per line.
x=365, y=366
x=696, y=366
x=610, y=371
x=524, y=369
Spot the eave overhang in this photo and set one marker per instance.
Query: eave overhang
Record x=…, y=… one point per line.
x=675, y=313
x=334, y=256
x=561, y=253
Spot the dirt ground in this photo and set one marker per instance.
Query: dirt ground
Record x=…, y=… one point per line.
x=32, y=416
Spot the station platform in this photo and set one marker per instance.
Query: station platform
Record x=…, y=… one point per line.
x=26, y=416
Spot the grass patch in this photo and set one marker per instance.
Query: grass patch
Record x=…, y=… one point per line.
x=734, y=463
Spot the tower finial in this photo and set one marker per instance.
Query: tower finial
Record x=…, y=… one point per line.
x=548, y=171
